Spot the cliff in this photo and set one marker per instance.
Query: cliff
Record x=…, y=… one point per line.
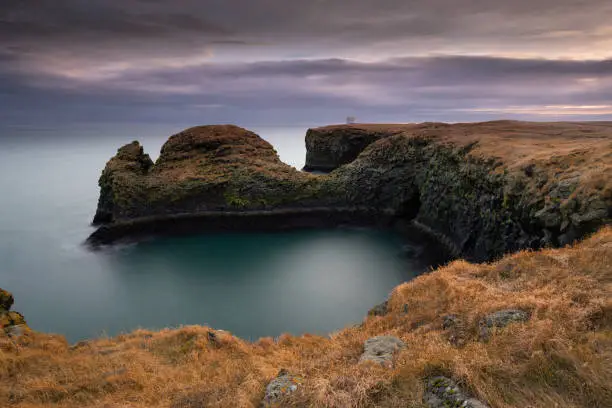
x=484, y=188
x=205, y=168
x=531, y=330
x=328, y=148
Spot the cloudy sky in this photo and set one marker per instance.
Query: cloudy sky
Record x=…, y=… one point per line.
x=279, y=62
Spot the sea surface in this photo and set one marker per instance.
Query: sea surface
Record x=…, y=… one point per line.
x=253, y=285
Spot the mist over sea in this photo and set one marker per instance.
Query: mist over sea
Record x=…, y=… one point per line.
x=250, y=284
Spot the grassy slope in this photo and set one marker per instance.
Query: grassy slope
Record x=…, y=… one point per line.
x=561, y=357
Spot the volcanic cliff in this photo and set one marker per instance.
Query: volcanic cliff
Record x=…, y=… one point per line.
x=483, y=189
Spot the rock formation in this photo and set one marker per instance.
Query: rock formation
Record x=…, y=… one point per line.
x=12, y=323
x=442, y=392
x=281, y=386
x=482, y=189
x=381, y=349
x=330, y=147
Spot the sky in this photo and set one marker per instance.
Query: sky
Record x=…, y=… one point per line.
x=284, y=62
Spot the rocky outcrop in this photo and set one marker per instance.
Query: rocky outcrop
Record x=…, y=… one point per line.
x=381, y=349
x=121, y=172
x=284, y=384
x=328, y=148
x=205, y=168
x=482, y=189
x=11, y=322
x=442, y=392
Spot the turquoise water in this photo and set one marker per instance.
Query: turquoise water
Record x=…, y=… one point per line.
x=253, y=285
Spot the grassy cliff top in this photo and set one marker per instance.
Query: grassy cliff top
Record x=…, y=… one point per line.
x=516, y=143
x=561, y=356
x=541, y=154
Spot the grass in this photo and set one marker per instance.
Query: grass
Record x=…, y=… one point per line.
x=561, y=357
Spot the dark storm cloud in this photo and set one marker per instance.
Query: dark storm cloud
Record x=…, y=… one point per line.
x=126, y=29
x=319, y=58
x=406, y=89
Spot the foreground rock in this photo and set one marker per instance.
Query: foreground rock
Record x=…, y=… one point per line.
x=381, y=349
x=281, y=386
x=442, y=392
x=483, y=189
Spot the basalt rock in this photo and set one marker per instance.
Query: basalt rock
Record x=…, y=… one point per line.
x=464, y=183
x=119, y=182
x=205, y=168
x=482, y=189
x=328, y=148
x=280, y=387
x=442, y=392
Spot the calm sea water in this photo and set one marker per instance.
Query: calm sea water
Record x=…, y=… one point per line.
x=253, y=285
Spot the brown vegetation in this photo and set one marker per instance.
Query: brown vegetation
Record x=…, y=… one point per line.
x=561, y=357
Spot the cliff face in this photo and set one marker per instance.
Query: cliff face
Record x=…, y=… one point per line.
x=489, y=188
x=206, y=168
x=121, y=182
x=328, y=148
x=484, y=189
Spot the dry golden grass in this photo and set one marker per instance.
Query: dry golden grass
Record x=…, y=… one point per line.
x=562, y=357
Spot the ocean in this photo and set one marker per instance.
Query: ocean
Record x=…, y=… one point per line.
x=253, y=285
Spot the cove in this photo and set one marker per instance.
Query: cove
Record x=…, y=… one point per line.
x=252, y=284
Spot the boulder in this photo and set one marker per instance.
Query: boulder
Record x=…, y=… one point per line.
x=442, y=392
x=281, y=386
x=381, y=349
